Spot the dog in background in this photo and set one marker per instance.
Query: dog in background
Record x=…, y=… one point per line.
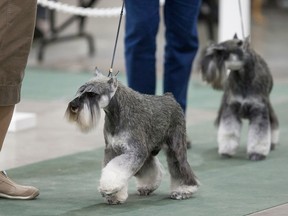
x=137, y=127
x=234, y=67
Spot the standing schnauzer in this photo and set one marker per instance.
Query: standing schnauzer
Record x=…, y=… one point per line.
x=247, y=82
x=137, y=127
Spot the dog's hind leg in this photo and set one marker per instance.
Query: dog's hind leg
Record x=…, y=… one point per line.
x=149, y=176
x=183, y=180
x=259, y=134
x=274, y=127
x=229, y=130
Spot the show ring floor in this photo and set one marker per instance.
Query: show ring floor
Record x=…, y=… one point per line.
x=65, y=164
x=68, y=167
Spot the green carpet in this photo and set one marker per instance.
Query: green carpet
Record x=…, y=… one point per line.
x=41, y=84
x=229, y=187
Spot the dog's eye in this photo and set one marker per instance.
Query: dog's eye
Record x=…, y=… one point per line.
x=239, y=43
x=81, y=89
x=91, y=94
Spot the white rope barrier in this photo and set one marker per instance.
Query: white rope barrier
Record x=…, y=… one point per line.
x=90, y=12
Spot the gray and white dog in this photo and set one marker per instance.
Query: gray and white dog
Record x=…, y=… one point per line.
x=234, y=67
x=137, y=127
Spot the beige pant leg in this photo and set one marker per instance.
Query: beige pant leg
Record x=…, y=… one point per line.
x=17, y=23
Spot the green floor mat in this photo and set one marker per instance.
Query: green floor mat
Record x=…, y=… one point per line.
x=228, y=186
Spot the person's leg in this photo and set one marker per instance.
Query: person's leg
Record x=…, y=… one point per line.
x=17, y=21
x=8, y=188
x=142, y=20
x=6, y=113
x=181, y=18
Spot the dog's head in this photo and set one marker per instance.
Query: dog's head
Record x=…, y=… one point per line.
x=84, y=109
x=218, y=60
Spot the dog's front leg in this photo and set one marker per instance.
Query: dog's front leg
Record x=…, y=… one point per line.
x=229, y=130
x=259, y=135
x=117, y=172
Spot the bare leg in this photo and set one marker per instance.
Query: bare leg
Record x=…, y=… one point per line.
x=6, y=113
x=8, y=188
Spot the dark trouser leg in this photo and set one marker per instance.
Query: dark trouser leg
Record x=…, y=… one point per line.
x=181, y=46
x=142, y=20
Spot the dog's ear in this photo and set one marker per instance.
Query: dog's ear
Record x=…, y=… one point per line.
x=113, y=82
x=97, y=72
x=246, y=44
x=213, y=48
x=235, y=36
x=219, y=47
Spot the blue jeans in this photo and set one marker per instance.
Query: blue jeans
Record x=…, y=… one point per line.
x=142, y=21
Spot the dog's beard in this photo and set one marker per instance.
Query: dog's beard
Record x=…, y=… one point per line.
x=86, y=117
x=213, y=74
x=234, y=63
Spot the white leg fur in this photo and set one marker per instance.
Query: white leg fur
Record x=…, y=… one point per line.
x=258, y=141
x=180, y=191
x=122, y=195
x=113, y=178
x=228, y=136
x=119, y=197
x=275, y=136
x=151, y=178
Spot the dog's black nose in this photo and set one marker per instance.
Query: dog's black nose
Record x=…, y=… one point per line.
x=74, y=105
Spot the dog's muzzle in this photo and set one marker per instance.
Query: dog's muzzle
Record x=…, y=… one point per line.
x=74, y=105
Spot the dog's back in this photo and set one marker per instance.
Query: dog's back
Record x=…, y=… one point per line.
x=161, y=110
x=151, y=117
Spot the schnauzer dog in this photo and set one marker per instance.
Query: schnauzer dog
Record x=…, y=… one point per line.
x=234, y=67
x=137, y=127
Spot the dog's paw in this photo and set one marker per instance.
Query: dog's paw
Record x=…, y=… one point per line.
x=109, y=191
x=112, y=200
x=180, y=195
x=112, y=181
x=256, y=157
x=183, y=192
x=145, y=191
x=116, y=198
